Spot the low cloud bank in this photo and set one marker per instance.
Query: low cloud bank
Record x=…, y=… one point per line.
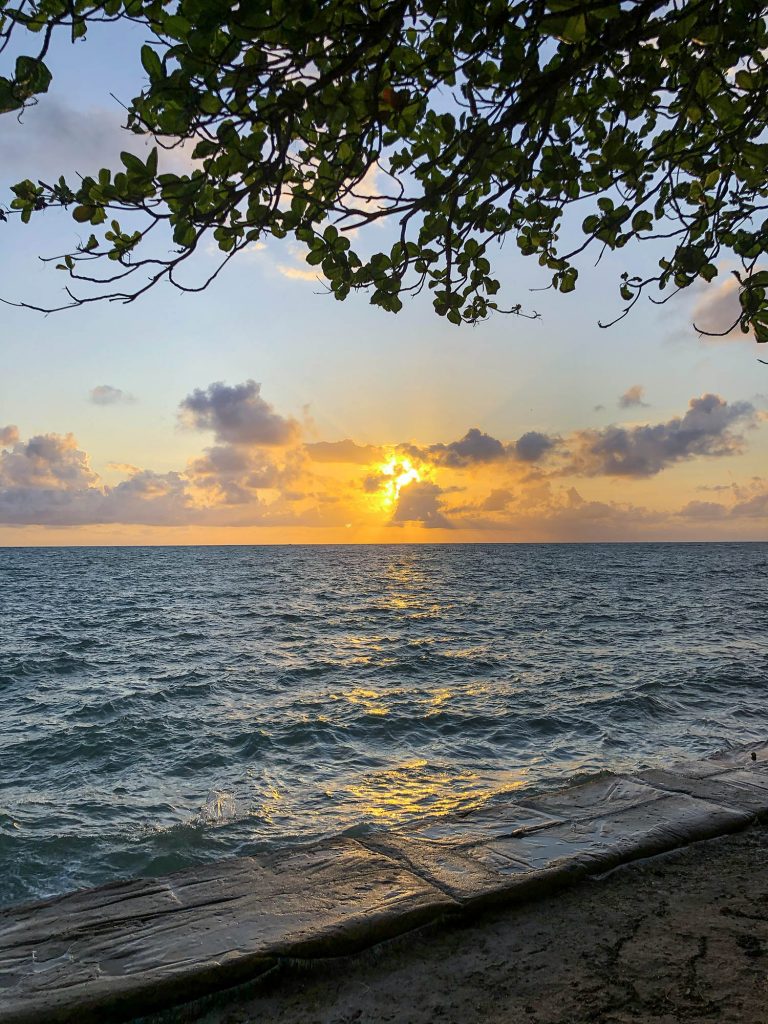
x=259, y=471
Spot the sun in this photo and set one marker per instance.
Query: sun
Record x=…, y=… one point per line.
x=396, y=474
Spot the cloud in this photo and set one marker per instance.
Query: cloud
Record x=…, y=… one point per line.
x=632, y=397
x=47, y=460
x=498, y=500
x=238, y=415
x=533, y=445
x=233, y=474
x=344, y=451
x=641, y=451
x=476, y=447
x=258, y=473
x=703, y=510
x=419, y=502
x=105, y=394
x=375, y=481
x=756, y=506
x=297, y=273
x=749, y=501
x=148, y=498
x=544, y=512
x=717, y=308
x=53, y=138
x=47, y=479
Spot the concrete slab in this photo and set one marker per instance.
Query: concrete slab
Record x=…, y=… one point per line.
x=755, y=776
x=742, y=756
x=695, y=769
x=603, y=836
x=433, y=850
x=613, y=793
x=127, y=949
x=463, y=879
x=734, y=788
x=497, y=819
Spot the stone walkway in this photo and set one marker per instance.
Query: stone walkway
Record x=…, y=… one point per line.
x=131, y=948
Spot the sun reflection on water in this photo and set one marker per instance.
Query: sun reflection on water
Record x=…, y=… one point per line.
x=370, y=700
x=416, y=788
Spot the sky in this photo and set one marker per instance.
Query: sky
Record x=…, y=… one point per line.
x=263, y=411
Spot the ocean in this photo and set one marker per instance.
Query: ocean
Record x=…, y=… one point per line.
x=160, y=707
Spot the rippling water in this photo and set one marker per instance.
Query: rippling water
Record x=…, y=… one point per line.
x=162, y=706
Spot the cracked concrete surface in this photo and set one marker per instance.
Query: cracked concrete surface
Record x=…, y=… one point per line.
x=678, y=938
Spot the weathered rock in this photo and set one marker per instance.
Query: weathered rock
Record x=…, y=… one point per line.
x=129, y=948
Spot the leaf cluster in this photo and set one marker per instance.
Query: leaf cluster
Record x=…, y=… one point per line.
x=463, y=125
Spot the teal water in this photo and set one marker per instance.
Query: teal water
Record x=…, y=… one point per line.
x=164, y=706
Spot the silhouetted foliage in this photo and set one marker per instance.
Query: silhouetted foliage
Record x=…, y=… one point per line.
x=460, y=122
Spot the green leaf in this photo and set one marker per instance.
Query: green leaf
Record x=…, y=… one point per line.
x=575, y=29
x=32, y=76
x=8, y=99
x=151, y=62
x=82, y=214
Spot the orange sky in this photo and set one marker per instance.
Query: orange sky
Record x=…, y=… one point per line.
x=257, y=475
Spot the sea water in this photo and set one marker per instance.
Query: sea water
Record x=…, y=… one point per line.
x=160, y=707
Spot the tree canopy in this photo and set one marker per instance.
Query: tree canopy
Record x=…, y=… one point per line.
x=461, y=123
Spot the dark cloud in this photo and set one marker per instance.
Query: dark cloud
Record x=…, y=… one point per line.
x=238, y=415
x=704, y=431
x=633, y=397
x=750, y=502
x=476, y=447
x=419, y=502
x=533, y=445
x=48, y=481
x=344, y=451
x=105, y=394
x=9, y=435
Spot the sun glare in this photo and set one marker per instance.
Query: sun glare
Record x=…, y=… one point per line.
x=397, y=473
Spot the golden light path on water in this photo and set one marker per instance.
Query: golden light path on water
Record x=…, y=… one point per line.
x=417, y=788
